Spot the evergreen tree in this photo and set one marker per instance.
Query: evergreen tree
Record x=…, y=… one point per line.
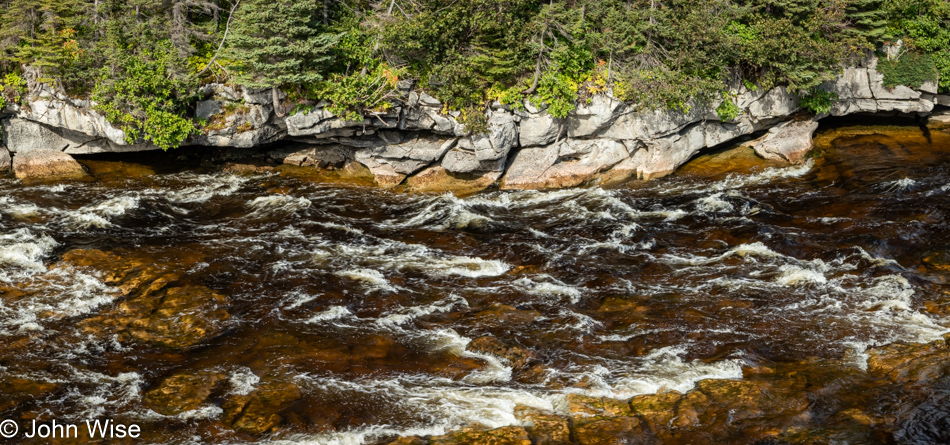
x=280, y=42
x=868, y=19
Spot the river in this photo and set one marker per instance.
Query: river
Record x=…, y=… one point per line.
x=291, y=311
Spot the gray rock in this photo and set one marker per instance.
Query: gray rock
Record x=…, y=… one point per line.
x=569, y=163
x=225, y=92
x=6, y=163
x=428, y=101
x=777, y=103
x=942, y=100
x=788, y=142
x=46, y=165
x=929, y=87
x=589, y=119
x=261, y=96
x=501, y=137
x=331, y=157
x=207, y=108
x=21, y=135
x=68, y=116
x=662, y=156
x=853, y=84
x=538, y=129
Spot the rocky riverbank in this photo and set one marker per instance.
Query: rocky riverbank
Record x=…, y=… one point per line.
x=422, y=146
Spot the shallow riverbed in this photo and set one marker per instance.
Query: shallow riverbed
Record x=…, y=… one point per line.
x=341, y=314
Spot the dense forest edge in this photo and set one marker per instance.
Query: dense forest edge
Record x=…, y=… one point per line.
x=143, y=62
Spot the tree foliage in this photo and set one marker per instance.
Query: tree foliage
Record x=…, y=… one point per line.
x=143, y=59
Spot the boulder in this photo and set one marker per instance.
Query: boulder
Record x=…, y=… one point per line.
x=46, y=165
x=788, y=142
x=662, y=156
x=6, y=163
x=544, y=428
x=538, y=129
x=501, y=137
x=853, y=84
x=465, y=160
x=261, y=96
x=436, y=179
x=567, y=164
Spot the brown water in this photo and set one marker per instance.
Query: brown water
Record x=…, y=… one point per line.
x=355, y=315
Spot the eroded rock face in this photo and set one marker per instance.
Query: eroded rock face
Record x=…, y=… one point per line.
x=46, y=165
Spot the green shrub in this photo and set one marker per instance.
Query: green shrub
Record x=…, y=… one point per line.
x=143, y=99
x=910, y=70
x=351, y=97
x=818, y=101
x=12, y=89
x=728, y=111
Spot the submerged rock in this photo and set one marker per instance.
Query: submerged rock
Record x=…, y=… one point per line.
x=905, y=363
x=153, y=312
x=183, y=392
x=259, y=411
x=509, y=435
x=46, y=165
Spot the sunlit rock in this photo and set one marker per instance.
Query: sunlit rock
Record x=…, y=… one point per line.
x=509, y=435
x=183, y=392
x=39, y=165
x=437, y=179
x=788, y=142
x=904, y=363
x=259, y=411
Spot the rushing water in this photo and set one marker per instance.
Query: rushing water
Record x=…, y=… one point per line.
x=366, y=300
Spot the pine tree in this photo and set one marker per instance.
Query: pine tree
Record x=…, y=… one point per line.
x=280, y=42
x=868, y=19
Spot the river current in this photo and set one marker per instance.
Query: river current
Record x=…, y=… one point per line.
x=381, y=313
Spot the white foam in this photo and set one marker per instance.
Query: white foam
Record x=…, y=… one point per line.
x=445, y=405
x=24, y=249
x=374, y=279
x=396, y=255
x=714, y=204
x=202, y=413
x=661, y=369
x=99, y=215
x=243, y=381
x=206, y=187
x=330, y=314
x=405, y=315
x=793, y=275
x=267, y=205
